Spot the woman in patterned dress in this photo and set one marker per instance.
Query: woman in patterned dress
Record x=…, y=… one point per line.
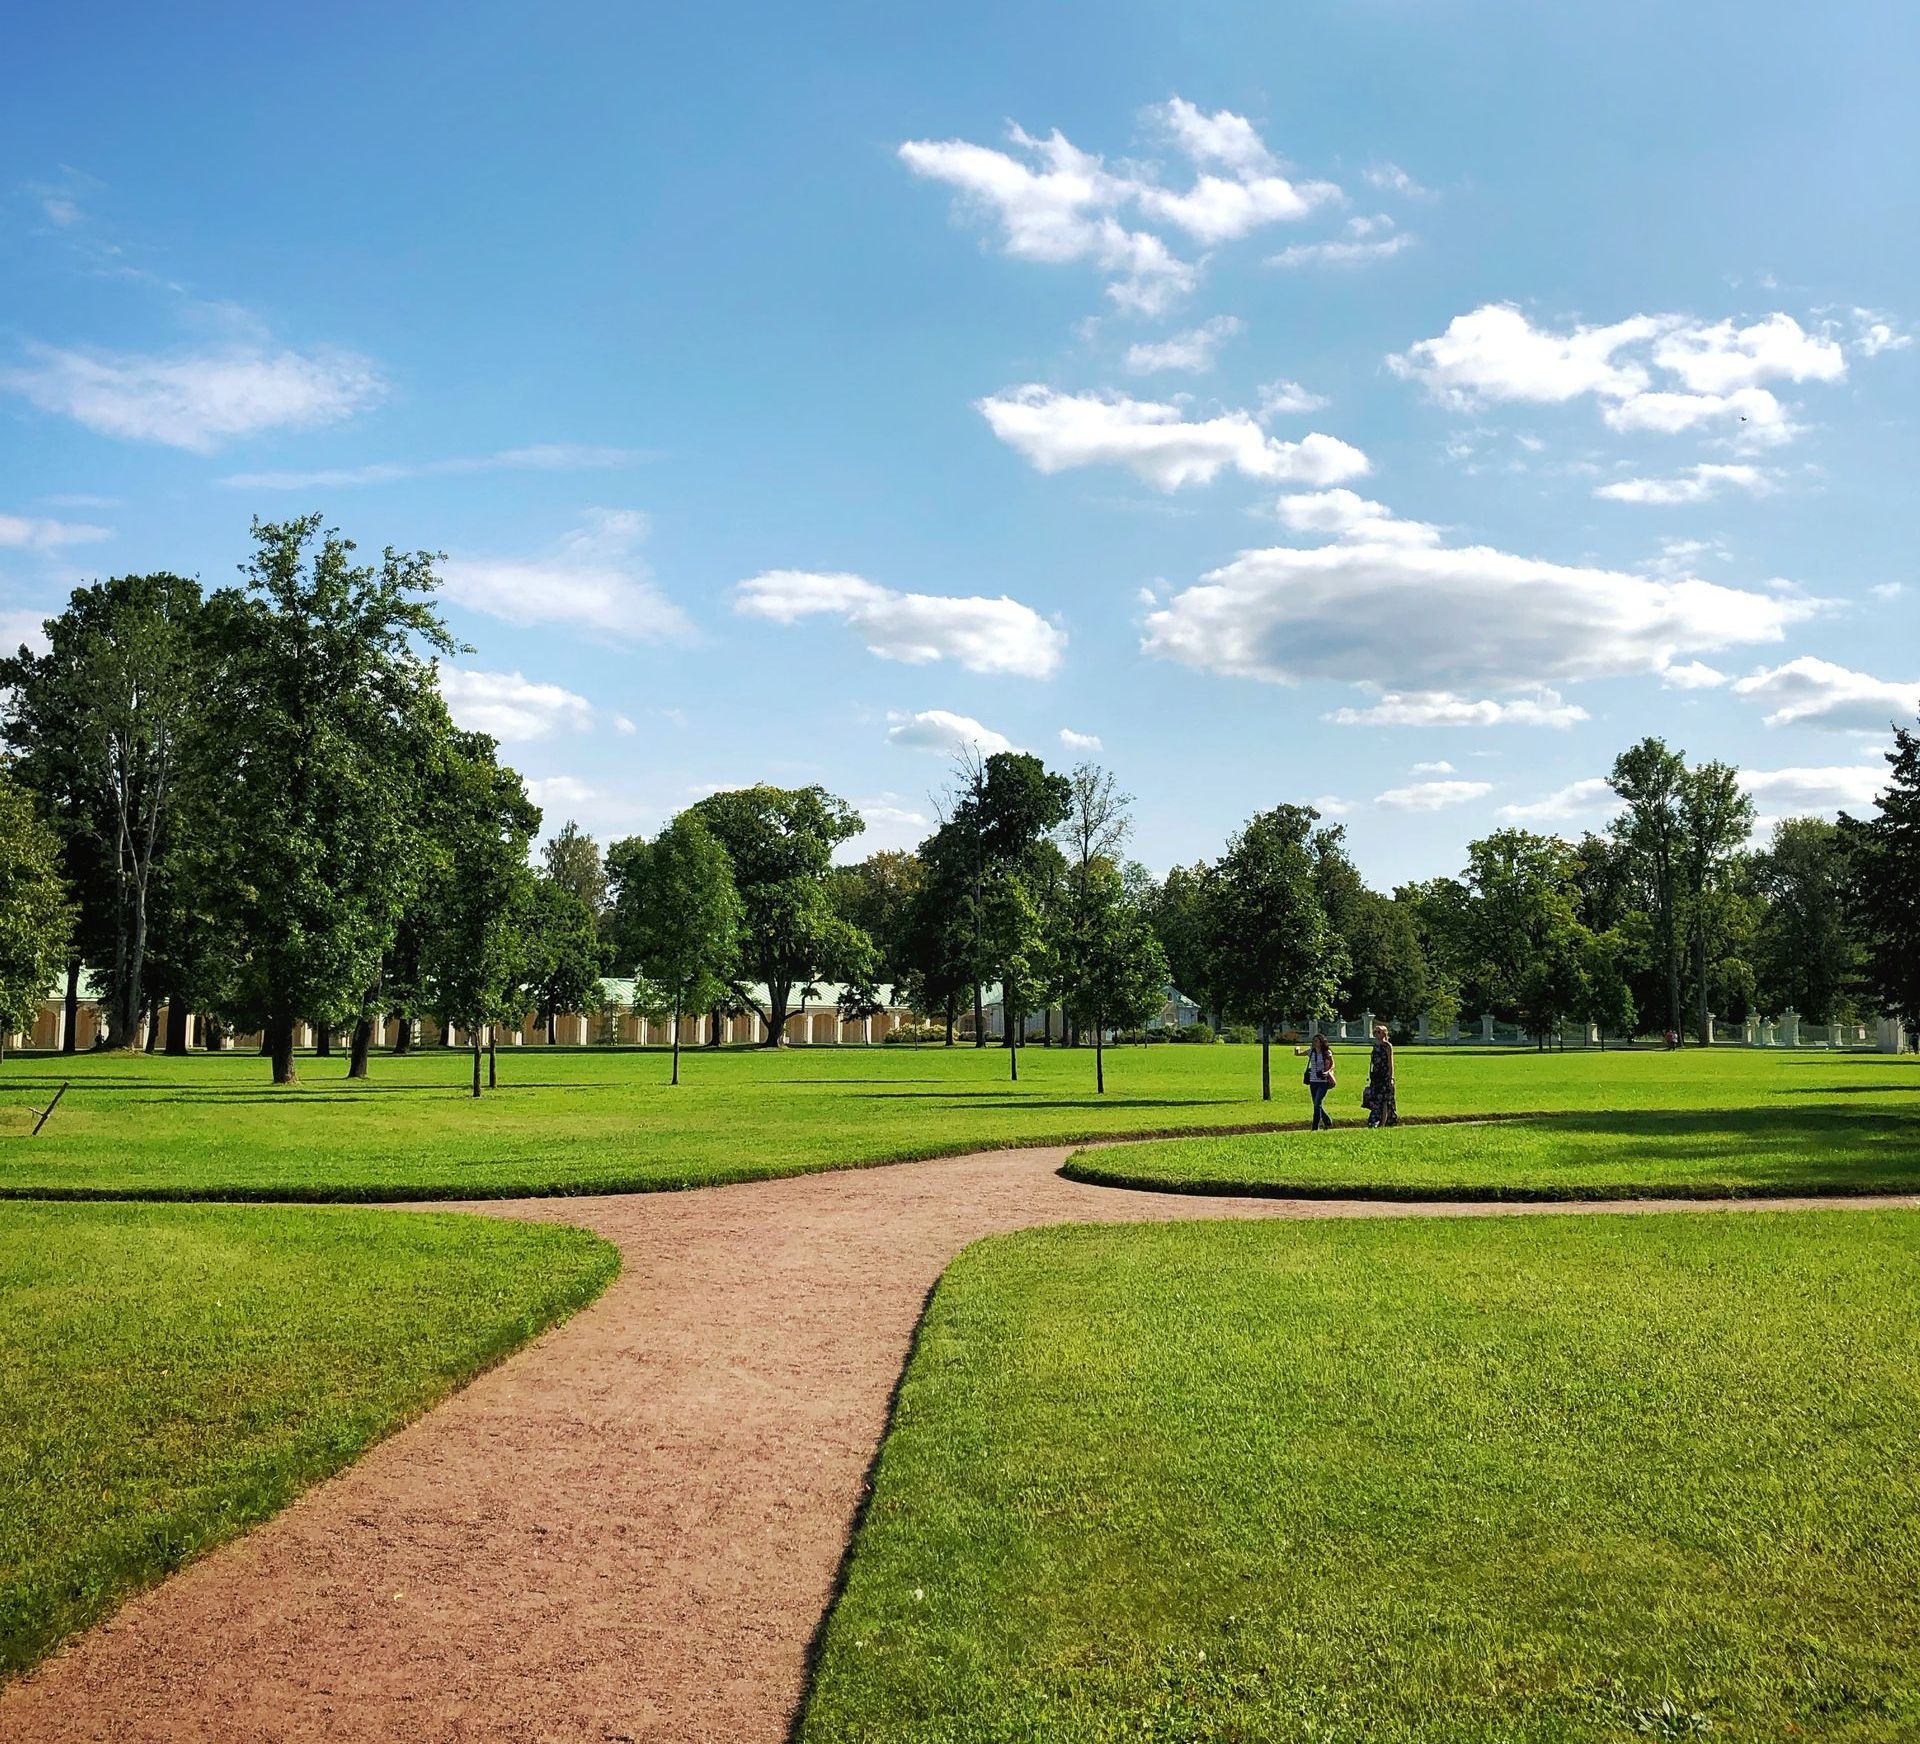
x=1381, y=1109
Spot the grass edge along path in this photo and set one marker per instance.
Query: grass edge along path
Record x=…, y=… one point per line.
x=1523, y=1478
x=221, y=1361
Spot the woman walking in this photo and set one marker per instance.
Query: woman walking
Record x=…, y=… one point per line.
x=1319, y=1079
x=1381, y=1107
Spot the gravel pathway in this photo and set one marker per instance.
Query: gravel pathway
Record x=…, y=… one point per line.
x=631, y=1529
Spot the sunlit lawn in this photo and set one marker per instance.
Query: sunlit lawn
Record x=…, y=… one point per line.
x=593, y=1121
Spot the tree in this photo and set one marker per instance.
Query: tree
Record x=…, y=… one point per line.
x=1273, y=953
x=1386, y=971
x=35, y=916
x=1605, y=990
x=1716, y=818
x=780, y=842
x=1650, y=779
x=1810, y=956
x=1177, y=909
x=687, y=917
x=572, y=859
x=562, y=953
x=317, y=666
x=1017, y=939
x=476, y=956
x=1113, y=973
x=1529, y=948
x=876, y=896
x=99, y=723
x=937, y=945
x=1883, y=857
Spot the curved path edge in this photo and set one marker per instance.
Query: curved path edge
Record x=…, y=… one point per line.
x=631, y=1528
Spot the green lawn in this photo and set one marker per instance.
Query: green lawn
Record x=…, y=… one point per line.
x=170, y=1375
x=1843, y=1145
x=594, y=1121
x=1458, y=1480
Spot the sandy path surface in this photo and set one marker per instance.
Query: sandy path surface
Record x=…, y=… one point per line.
x=631, y=1529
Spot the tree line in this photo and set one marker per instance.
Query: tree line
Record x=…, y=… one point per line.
x=251, y=803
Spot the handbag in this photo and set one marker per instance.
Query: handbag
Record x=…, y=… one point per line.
x=1306, y=1077
x=1366, y=1097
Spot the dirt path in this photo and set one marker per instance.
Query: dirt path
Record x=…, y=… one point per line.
x=629, y=1530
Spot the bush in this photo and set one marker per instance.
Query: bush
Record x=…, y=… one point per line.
x=915, y=1032
x=1242, y=1032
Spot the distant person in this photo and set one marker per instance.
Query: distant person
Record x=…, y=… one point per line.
x=1319, y=1079
x=1382, y=1109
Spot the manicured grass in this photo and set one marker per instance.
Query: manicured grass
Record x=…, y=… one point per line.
x=170, y=1375
x=592, y=1121
x=1527, y=1479
x=1843, y=1146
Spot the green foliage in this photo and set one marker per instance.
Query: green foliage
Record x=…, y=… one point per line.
x=1461, y=1479
x=1112, y=972
x=686, y=918
x=1529, y=950
x=35, y=916
x=780, y=842
x=1883, y=853
x=218, y=1361
x=572, y=860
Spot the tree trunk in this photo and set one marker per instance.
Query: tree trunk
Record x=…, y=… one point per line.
x=675, y=1079
x=153, y=1024
x=1013, y=1052
x=402, y=1033
x=949, y=1041
x=713, y=1027
x=323, y=1041
x=476, y=1064
x=493, y=1075
x=980, y=1015
x=1266, y=1064
x=1700, y=973
x=178, y=1017
x=278, y=1044
x=553, y=1026
x=73, y=1005
x=361, y=1047
x=1099, y=1062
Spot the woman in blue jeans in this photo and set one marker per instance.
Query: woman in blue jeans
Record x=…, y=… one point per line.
x=1319, y=1079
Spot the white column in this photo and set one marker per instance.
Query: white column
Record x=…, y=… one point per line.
x=1486, y=1026
x=1790, y=1028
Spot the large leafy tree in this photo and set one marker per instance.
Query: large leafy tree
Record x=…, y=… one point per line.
x=1112, y=971
x=35, y=917
x=1529, y=949
x=1716, y=818
x=780, y=842
x=686, y=919
x=564, y=953
x=1883, y=855
x=936, y=944
x=1177, y=908
x=572, y=861
x=322, y=669
x=877, y=896
x=1651, y=781
x=1274, y=953
x=99, y=724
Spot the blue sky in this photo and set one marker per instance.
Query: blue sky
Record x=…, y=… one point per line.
x=1396, y=404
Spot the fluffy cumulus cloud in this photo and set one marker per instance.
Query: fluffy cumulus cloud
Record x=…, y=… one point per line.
x=1080, y=741
x=1415, y=620
x=1158, y=442
x=1050, y=201
x=984, y=635
x=1694, y=485
x=1589, y=798
x=1344, y=514
x=1662, y=373
x=594, y=580
x=1281, y=399
x=944, y=734
x=1441, y=708
x=892, y=823
x=1361, y=240
x=1432, y=795
x=511, y=706
x=1194, y=350
x=1778, y=793
x=35, y=533
x=1810, y=692
x=195, y=401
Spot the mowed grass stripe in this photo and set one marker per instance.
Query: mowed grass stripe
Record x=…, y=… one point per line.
x=1530, y=1479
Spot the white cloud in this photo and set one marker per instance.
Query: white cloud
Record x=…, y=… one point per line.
x=1080, y=741
x=1440, y=768
x=1440, y=708
x=1713, y=370
x=1432, y=795
x=195, y=401
x=1694, y=485
x=1408, y=618
x=1681, y=556
x=1193, y=350
x=1343, y=514
x=1216, y=209
x=31, y=533
x=562, y=792
x=541, y=457
x=1364, y=239
x=1282, y=398
x=1222, y=138
x=1331, y=805
x=24, y=628
x=510, y=706
x=1886, y=590
x=1590, y=797
x=944, y=733
x=1811, y=692
x=1874, y=333
x=1692, y=675
x=1791, y=792
x=983, y=635
x=1156, y=441
x=1390, y=178
x=594, y=580
x=890, y=825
